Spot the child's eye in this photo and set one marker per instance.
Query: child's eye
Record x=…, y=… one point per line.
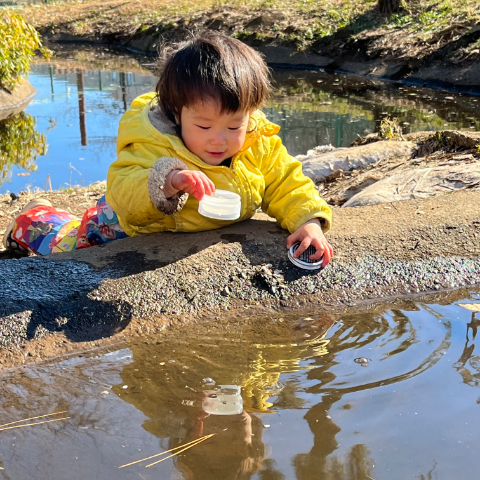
x=231, y=128
x=203, y=128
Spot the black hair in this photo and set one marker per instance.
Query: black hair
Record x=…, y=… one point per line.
x=212, y=67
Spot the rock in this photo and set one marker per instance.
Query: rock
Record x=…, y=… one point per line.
x=16, y=101
x=320, y=167
x=419, y=183
x=225, y=292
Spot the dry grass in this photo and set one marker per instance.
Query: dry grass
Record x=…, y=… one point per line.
x=88, y=16
x=312, y=18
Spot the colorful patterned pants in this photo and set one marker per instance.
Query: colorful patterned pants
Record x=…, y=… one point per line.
x=43, y=230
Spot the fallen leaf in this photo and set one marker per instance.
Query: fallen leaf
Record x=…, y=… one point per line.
x=474, y=307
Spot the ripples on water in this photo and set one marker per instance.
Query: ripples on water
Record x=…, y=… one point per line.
x=311, y=409
x=82, y=95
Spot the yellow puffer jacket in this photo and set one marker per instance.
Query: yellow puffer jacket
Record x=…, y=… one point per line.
x=262, y=173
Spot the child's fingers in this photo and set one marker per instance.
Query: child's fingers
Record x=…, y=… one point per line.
x=304, y=244
x=190, y=189
x=212, y=187
x=292, y=239
x=327, y=256
x=320, y=249
x=208, y=186
x=189, y=179
x=199, y=192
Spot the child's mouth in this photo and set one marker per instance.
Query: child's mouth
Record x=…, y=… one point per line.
x=216, y=154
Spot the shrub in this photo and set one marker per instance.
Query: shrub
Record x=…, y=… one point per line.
x=17, y=48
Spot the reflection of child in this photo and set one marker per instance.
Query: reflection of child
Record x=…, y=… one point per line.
x=236, y=450
x=200, y=131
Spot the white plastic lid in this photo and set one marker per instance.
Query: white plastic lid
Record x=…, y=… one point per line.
x=222, y=205
x=304, y=261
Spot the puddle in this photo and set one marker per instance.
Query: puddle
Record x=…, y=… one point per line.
x=384, y=395
x=82, y=94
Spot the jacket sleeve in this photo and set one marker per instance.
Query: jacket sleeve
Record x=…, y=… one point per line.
x=135, y=184
x=290, y=196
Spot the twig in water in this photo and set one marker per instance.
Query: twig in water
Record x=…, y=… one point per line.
x=36, y=423
x=198, y=440
x=180, y=451
x=32, y=418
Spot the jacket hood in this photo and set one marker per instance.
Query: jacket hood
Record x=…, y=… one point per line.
x=144, y=122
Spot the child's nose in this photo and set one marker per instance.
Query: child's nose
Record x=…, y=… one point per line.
x=218, y=139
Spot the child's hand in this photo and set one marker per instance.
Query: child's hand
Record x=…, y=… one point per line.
x=193, y=182
x=310, y=233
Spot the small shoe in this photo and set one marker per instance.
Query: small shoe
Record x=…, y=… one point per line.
x=7, y=241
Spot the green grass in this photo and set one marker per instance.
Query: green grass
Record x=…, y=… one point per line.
x=431, y=16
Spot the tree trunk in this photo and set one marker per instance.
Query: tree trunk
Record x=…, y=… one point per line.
x=389, y=6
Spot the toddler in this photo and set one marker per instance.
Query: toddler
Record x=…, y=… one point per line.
x=201, y=130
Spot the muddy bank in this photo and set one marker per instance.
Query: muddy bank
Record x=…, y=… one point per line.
x=138, y=286
x=369, y=45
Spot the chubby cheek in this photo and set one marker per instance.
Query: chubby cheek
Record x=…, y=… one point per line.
x=193, y=140
x=237, y=141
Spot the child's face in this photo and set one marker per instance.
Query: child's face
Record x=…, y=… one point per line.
x=210, y=135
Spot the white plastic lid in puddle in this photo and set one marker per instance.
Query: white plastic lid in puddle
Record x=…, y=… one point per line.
x=222, y=205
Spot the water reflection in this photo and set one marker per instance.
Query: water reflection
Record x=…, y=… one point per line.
x=468, y=365
x=81, y=108
x=93, y=88
x=309, y=410
x=20, y=145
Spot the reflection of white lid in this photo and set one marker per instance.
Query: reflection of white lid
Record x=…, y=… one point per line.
x=225, y=400
x=222, y=205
